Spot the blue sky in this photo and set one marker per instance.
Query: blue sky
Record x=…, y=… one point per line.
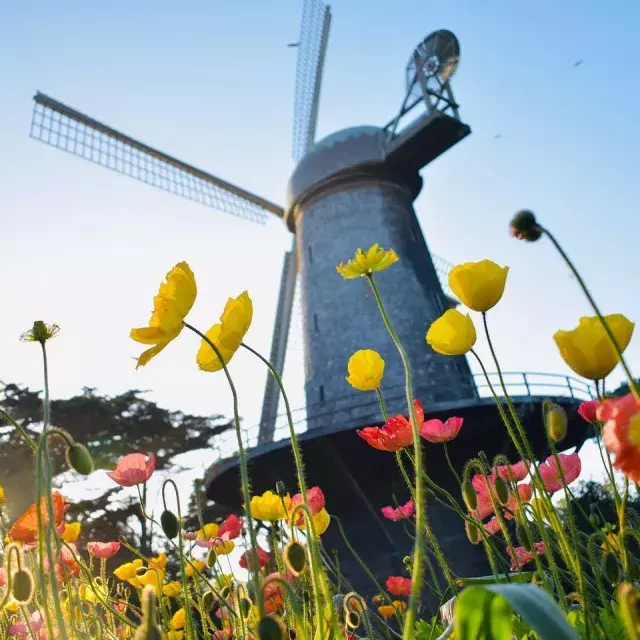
x=212, y=83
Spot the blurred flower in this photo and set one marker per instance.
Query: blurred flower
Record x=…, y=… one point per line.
x=524, y=493
x=172, y=634
x=21, y=629
x=246, y=558
x=364, y=264
x=3, y=576
x=398, y=585
x=170, y=307
x=198, y=565
x=227, y=334
x=25, y=528
x=436, y=431
x=366, y=368
x=103, y=549
x=400, y=513
x=40, y=332
x=223, y=546
x=270, y=506
x=478, y=285
x=587, y=350
x=209, y=531
x=492, y=526
x=570, y=465
x=621, y=433
x=587, y=410
x=231, y=525
x=127, y=572
x=321, y=521
x=315, y=502
x=452, y=334
x=524, y=557
x=611, y=543
x=71, y=532
x=523, y=226
x=172, y=589
x=485, y=487
x=133, y=469
x=179, y=618
x=2, y=497
x=389, y=610
x=395, y=434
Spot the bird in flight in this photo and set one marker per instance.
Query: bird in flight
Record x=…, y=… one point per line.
x=497, y=136
x=293, y=44
x=577, y=63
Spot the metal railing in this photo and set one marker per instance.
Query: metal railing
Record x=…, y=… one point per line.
x=517, y=383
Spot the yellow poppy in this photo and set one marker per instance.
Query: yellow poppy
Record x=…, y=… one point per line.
x=200, y=566
x=478, y=285
x=175, y=635
x=170, y=307
x=71, y=532
x=226, y=334
x=270, y=506
x=452, y=334
x=587, y=350
x=179, y=618
x=127, y=571
x=172, y=589
x=366, y=368
x=225, y=548
x=365, y=263
x=2, y=497
x=388, y=610
x=210, y=531
x=153, y=576
x=321, y=522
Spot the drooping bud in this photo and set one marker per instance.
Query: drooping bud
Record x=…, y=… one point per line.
x=502, y=489
x=469, y=495
x=79, y=459
x=610, y=568
x=270, y=629
x=295, y=558
x=208, y=600
x=594, y=519
x=245, y=607
x=281, y=490
x=22, y=586
x=212, y=557
x=473, y=532
x=149, y=629
x=169, y=523
x=524, y=226
x=556, y=423
x=523, y=537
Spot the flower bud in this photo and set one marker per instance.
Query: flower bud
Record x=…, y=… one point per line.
x=469, y=495
x=295, y=558
x=270, y=629
x=629, y=600
x=281, y=489
x=245, y=607
x=610, y=568
x=212, y=557
x=556, y=423
x=523, y=537
x=502, y=489
x=524, y=226
x=594, y=519
x=473, y=532
x=208, y=600
x=22, y=586
x=79, y=459
x=169, y=523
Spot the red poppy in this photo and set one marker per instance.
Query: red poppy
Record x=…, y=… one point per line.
x=399, y=586
x=133, y=469
x=437, y=431
x=571, y=466
x=247, y=557
x=403, y=512
x=395, y=434
x=25, y=528
x=587, y=410
x=231, y=525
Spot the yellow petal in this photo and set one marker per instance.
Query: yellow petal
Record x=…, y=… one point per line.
x=452, y=334
x=478, y=285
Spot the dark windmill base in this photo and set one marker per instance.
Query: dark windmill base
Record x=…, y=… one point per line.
x=358, y=480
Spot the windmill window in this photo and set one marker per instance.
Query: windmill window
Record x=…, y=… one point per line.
x=310, y=252
x=321, y=391
x=315, y=321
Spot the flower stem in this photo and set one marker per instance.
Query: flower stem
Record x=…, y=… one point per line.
x=453, y=471
x=20, y=429
x=612, y=339
x=420, y=502
x=383, y=406
x=244, y=473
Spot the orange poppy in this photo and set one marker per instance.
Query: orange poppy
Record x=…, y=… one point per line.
x=25, y=528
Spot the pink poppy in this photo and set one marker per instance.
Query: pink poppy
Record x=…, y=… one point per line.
x=403, y=512
x=398, y=586
x=395, y=434
x=103, y=549
x=524, y=557
x=3, y=576
x=618, y=410
x=571, y=465
x=133, y=469
x=247, y=557
x=524, y=491
x=437, y=431
x=619, y=434
x=513, y=472
x=190, y=535
x=315, y=500
x=493, y=526
x=588, y=410
x=20, y=629
x=215, y=541
x=231, y=525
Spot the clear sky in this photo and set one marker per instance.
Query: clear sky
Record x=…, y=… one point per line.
x=212, y=83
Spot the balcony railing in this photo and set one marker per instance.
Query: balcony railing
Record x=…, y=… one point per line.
x=518, y=383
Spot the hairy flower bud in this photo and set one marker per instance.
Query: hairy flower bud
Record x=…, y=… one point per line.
x=149, y=629
x=79, y=459
x=270, y=629
x=556, y=423
x=524, y=226
x=610, y=568
x=22, y=586
x=473, y=532
x=212, y=557
x=295, y=558
x=502, y=489
x=281, y=489
x=523, y=537
x=169, y=523
x=469, y=495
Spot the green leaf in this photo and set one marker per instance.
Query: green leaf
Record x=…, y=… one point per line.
x=475, y=604
x=525, y=576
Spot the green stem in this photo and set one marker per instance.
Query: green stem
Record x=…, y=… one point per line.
x=244, y=473
x=20, y=429
x=383, y=406
x=612, y=339
x=420, y=502
x=453, y=471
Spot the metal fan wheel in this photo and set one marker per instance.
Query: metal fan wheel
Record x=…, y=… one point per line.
x=437, y=55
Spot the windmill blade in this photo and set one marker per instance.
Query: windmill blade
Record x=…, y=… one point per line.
x=314, y=35
x=62, y=127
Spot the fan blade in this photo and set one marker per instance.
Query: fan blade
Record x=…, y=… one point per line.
x=314, y=35
x=60, y=126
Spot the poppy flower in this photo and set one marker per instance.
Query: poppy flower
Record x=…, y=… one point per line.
x=400, y=513
x=524, y=557
x=587, y=410
x=103, y=549
x=25, y=528
x=513, y=472
x=398, y=585
x=478, y=285
x=231, y=525
x=395, y=434
x=247, y=557
x=365, y=263
x=452, y=334
x=436, y=431
x=133, y=469
x=170, y=307
x=315, y=502
x=2, y=497
x=571, y=465
x=366, y=368
x=270, y=506
x=71, y=532
x=621, y=434
x=492, y=526
x=388, y=610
